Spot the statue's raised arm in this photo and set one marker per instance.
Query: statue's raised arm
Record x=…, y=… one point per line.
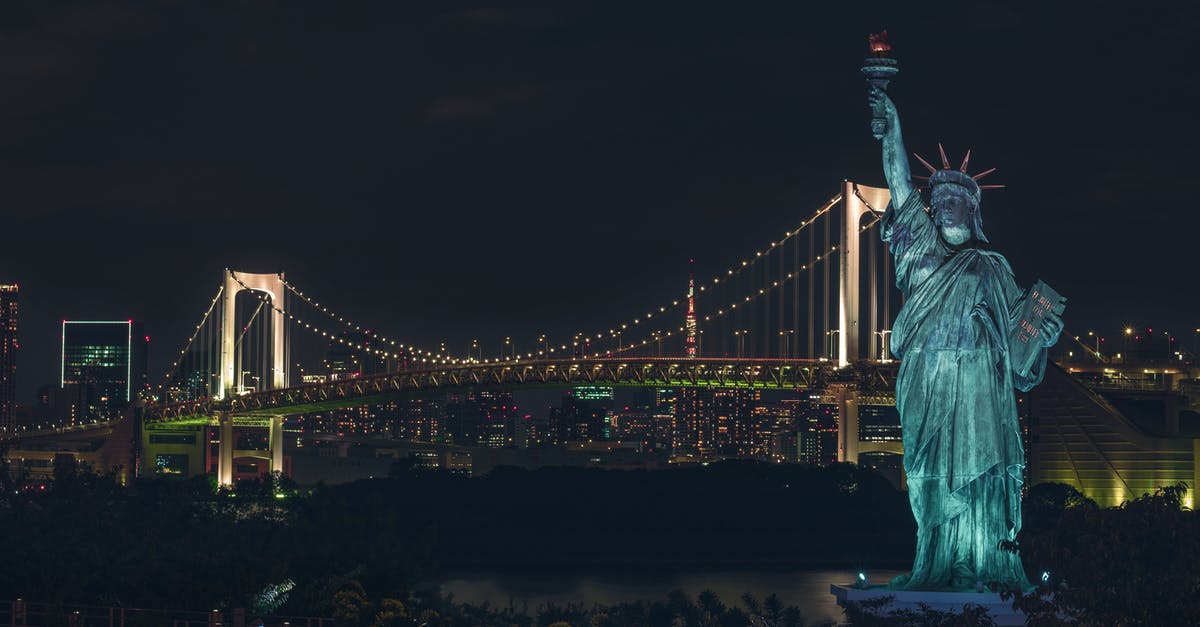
x=895, y=158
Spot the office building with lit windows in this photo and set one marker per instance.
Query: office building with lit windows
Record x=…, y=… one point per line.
x=104, y=363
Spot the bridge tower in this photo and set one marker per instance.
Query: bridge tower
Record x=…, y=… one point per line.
x=272, y=286
x=857, y=201
x=854, y=208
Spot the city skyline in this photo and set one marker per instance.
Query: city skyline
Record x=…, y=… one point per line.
x=586, y=312
x=345, y=162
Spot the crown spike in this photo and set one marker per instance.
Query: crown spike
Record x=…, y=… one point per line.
x=921, y=178
x=963, y=168
x=925, y=163
x=991, y=187
x=945, y=161
x=983, y=174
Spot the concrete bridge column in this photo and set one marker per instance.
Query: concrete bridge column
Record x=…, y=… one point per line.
x=847, y=402
x=225, y=449
x=276, y=443
x=1190, y=499
x=849, y=348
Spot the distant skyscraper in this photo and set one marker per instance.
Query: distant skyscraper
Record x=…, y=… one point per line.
x=692, y=432
x=8, y=356
x=880, y=423
x=587, y=413
x=486, y=418
x=733, y=421
x=420, y=419
x=105, y=360
x=817, y=421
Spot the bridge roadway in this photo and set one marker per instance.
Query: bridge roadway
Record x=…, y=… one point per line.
x=723, y=372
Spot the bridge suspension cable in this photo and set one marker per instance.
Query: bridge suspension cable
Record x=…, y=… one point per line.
x=441, y=354
x=747, y=300
x=613, y=332
x=730, y=273
x=739, y=289
x=383, y=354
x=174, y=369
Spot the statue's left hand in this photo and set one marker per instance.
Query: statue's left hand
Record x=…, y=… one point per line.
x=1052, y=326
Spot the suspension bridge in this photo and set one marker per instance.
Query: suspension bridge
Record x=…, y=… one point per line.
x=788, y=316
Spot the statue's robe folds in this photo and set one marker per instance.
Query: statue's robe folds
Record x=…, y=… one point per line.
x=962, y=444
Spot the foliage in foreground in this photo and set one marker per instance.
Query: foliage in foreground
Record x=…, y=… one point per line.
x=874, y=613
x=677, y=610
x=1136, y=564
x=186, y=544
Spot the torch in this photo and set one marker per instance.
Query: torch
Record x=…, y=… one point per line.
x=879, y=69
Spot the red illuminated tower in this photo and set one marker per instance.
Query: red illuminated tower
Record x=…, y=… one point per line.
x=691, y=313
x=8, y=349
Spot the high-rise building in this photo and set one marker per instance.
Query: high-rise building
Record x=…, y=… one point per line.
x=734, y=411
x=880, y=423
x=420, y=419
x=104, y=361
x=817, y=422
x=693, y=430
x=587, y=414
x=8, y=356
x=486, y=418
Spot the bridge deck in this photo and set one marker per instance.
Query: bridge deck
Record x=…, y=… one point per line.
x=640, y=371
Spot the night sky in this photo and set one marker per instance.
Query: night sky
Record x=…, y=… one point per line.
x=447, y=170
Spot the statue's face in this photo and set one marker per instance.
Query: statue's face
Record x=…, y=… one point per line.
x=952, y=214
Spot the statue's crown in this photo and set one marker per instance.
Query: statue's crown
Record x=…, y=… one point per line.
x=954, y=176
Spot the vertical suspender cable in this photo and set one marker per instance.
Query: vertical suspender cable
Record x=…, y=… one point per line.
x=825, y=285
x=887, y=288
x=811, y=279
x=766, y=329
x=873, y=299
x=782, y=294
x=796, y=294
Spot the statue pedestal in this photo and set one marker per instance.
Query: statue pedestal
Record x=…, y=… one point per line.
x=1001, y=611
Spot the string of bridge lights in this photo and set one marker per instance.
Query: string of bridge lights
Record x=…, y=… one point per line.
x=441, y=357
x=444, y=358
x=204, y=319
x=382, y=354
x=749, y=299
x=438, y=355
x=730, y=273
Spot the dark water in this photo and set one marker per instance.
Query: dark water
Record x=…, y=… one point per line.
x=806, y=589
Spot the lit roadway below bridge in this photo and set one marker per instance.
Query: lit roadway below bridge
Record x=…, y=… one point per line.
x=725, y=372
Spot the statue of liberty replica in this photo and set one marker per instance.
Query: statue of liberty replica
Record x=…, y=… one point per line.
x=967, y=336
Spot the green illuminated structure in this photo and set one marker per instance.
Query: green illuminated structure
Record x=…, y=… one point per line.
x=955, y=334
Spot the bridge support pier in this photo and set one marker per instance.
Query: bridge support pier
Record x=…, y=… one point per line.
x=847, y=403
x=225, y=449
x=276, y=443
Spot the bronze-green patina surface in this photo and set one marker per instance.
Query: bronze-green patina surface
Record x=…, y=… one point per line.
x=963, y=453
